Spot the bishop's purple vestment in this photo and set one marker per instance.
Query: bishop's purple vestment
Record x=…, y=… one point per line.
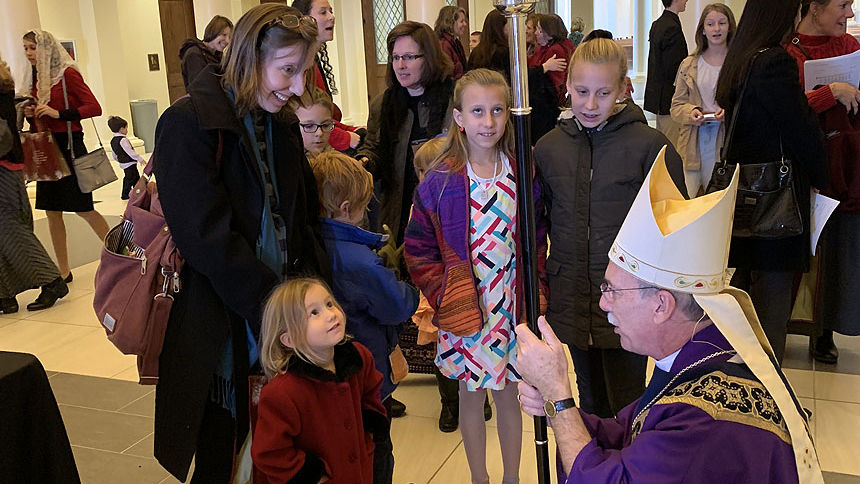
x=714, y=423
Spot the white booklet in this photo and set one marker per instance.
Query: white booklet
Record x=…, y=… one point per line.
x=844, y=68
x=822, y=207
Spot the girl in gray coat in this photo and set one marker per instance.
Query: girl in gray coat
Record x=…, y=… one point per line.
x=591, y=167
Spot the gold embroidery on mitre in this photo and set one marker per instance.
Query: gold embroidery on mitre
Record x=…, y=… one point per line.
x=731, y=399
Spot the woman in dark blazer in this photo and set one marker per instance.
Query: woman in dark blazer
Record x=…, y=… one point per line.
x=774, y=118
x=238, y=241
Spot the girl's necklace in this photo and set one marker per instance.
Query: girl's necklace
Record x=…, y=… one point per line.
x=485, y=189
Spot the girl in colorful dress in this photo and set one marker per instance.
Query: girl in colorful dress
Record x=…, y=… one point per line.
x=320, y=413
x=461, y=248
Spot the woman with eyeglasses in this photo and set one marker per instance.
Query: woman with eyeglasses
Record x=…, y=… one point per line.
x=415, y=108
x=240, y=200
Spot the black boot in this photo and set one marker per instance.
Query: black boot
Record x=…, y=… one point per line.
x=398, y=408
x=49, y=295
x=823, y=348
x=449, y=417
x=8, y=305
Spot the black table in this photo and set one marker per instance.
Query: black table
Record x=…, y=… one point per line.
x=34, y=446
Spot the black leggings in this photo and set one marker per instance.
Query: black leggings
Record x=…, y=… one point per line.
x=771, y=294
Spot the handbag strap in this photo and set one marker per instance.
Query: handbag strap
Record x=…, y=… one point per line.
x=733, y=123
x=69, y=123
x=796, y=42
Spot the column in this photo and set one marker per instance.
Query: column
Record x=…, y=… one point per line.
x=106, y=70
x=16, y=18
x=424, y=10
x=204, y=10
x=640, y=37
x=347, y=56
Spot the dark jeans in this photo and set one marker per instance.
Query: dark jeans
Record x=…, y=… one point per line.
x=771, y=294
x=129, y=180
x=383, y=453
x=608, y=379
x=213, y=461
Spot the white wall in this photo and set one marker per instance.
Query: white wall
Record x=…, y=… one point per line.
x=141, y=35
x=478, y=10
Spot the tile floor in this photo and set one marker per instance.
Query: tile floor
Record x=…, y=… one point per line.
x=109, y=417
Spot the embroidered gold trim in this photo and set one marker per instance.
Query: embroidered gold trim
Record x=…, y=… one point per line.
x=727, y=398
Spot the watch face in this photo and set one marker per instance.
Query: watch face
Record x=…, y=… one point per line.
x=549, y=408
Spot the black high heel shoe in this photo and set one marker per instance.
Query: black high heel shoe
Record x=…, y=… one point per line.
x=68, y=278
x=49, y=295
x=8, y=305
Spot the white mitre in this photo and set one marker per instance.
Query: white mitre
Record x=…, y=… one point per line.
x=683, y=245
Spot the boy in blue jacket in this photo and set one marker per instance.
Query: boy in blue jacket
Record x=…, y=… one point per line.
x=375, y=303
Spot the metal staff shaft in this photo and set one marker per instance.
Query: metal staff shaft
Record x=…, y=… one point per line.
x=517, y=11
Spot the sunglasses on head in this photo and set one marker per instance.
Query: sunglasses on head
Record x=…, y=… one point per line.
x=288, y=21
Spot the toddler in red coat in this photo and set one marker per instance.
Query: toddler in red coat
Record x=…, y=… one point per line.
x=320, y=411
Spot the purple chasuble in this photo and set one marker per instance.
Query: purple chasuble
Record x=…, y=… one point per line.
x=718, y=425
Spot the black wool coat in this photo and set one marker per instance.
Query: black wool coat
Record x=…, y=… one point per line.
x=774, y=109
x=589, y=182
x=667, y=48
x=214, y=213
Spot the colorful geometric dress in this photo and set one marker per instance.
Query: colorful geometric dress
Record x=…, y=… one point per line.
x=487, y=359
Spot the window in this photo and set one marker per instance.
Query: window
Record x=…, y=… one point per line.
x=386, y=15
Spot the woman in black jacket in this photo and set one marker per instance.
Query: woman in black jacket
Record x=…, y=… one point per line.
x=243, y=222
x=774, y=119
x=195, y=54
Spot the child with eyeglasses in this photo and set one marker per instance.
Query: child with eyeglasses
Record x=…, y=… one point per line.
x=317, y=123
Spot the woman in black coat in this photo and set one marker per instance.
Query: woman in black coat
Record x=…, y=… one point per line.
x=774, y=118
x=238, y=242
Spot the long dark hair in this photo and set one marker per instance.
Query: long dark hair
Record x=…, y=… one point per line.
x=492, y=38
x=764, y=24
x=321, y=58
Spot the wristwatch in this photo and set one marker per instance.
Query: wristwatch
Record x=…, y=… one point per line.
x=552, y=408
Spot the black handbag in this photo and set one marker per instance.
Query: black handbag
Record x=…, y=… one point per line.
x=766, y=205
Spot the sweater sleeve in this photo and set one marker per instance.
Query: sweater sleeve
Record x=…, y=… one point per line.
x=83, y=104
x=422, y=252
x=339, y=139
x=370, y=148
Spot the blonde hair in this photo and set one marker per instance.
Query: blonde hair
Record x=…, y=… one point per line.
x=456, y=148
x=254, y=40
x=340, y=178
x=285, y=312
x=601, y=51
x=428, y=152
x=7, y=83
